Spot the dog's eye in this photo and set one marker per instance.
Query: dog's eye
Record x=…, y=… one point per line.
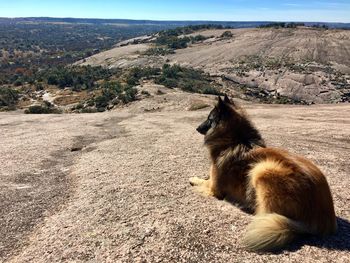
x=212, y=117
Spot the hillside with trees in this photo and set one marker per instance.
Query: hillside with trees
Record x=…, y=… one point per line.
x=98, y=66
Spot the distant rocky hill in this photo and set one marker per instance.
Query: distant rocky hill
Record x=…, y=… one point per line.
x=308, y=65
x=235, y=24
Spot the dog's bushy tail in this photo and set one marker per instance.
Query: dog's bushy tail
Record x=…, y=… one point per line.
x=269, y=232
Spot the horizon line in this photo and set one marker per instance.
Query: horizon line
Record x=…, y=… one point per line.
x=156, y=20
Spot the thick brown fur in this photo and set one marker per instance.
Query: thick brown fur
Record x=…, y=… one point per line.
x=287, y=193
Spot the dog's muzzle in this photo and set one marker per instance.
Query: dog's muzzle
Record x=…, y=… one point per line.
x=203, y=128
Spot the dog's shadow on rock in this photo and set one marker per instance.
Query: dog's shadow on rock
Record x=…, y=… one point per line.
x=339, y=241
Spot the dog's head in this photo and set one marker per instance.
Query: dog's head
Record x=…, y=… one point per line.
x=228, y=124
x=222, y=116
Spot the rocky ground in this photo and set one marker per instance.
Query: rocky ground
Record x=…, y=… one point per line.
x=113, y=187
x=306, y=64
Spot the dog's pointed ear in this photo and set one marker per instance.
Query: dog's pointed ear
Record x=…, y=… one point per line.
x=226, y=99
x=220, y=102
x=222, y=106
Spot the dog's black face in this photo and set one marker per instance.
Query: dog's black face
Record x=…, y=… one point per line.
x=211, y=122
x=217, y=114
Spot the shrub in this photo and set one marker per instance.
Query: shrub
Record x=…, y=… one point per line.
x=90, y=103
x=198, y=38
x=37, y=109
x=8, y=98
x=189, y=29
x=171, y=39
x=79, y=106
x=179, y=43
x=211, y=90
x=173, y=42
x=77, y=78
x=167, y=82
x=129, y=95
x=52, y=79
x=39, y=86
x=135, y=74
x=18, y=82
x=227, y=34
x=46, y=108
x=274, y=25
x=133, y=81
x=170, y=71
x=113, y=93
x=158, y=51
x=88, y=110
x=187, y=86
x=101, y=101
x=110, y=90
x=42, y=109
x=101, y=109
x=281, y=25
x=165, y=40
x=187, y=79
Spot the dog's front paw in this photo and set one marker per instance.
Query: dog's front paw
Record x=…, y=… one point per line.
x=196, y=181
x=201, y=186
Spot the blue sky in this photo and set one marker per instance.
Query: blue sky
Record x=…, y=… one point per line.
x=224, y=10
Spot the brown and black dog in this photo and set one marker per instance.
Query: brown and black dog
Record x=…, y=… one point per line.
x=288, y=194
